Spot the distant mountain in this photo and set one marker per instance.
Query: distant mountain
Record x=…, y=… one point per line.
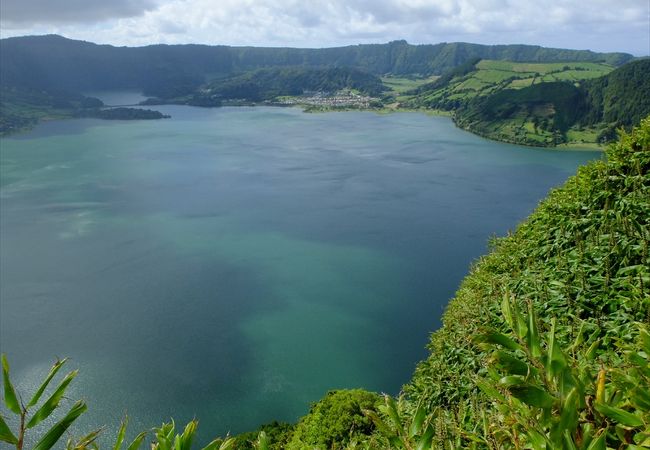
x=267, y=84
x=54, y=62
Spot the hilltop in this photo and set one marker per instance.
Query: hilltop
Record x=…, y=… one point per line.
x=54, y=62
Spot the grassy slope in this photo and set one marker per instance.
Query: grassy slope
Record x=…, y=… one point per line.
x=494, y=77
x=583, y=257
x=560, y=112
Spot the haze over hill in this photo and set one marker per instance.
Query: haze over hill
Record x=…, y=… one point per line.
x=54, y=62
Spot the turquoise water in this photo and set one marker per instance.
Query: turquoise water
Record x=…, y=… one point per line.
x=234, y=264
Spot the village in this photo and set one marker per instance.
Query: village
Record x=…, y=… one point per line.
x=340, y=99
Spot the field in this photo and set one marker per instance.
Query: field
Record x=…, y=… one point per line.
x=524, y=125
x=400, y=87
x=492, y=76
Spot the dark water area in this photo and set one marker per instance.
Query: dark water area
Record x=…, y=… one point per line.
x=234, y=264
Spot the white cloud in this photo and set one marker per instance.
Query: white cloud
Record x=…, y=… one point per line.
x=601, y=25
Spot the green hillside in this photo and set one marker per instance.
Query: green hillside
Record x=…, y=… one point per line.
x=484, y=77
x=22, y=108
x=268, y=84
x=558, y=112
x=620, y=99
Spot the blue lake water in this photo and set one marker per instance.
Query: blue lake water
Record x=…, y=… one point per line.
x=234, y=264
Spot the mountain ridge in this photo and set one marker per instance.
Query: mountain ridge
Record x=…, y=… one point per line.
x=56, y=62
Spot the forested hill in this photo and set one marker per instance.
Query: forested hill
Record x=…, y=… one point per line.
x=621, y=98
x=549, y=113
x=268, y=84
x=54, y=62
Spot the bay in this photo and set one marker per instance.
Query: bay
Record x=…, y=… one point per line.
x=235, y=264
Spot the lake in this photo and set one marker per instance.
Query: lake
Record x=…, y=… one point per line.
x=235, y=264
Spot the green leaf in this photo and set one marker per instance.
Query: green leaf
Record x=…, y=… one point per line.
x=490, y=391
x=379, y=423
x=532, y=395
x=418, y=420
x=556, y=361
x=539, y=441
x=590, y=355
x=600, y=442
x=510, y=364
x=50, y=405
x=425, y=441
x=5, y=433
x=88, y=439
x=644, y=337
x=512, y=380
x=188, y=435
x=262, y=441
x=55, y=368
x=640, y=398
x=393, y=414
x=507, y=311
x=569, y=444
x=619, y=415
x=120, y=434
x=580, y=337
x=498, y=339
x=513, y=316
x=568, y=417
x=643, y=439
x=532, y=336
x=135, y=445
x=53, y=435
x=11, y=401
x=227, y=444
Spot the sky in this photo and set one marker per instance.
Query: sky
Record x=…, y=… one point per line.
x=599, y=25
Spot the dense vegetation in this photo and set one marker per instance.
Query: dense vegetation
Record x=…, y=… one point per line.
x=22, y=108
x=478, y=78
x=582, y=258
x=540, y=114
x=555, y=112
x=545, y=346
x=268, y=84
x=620, y=99
x=122, y=113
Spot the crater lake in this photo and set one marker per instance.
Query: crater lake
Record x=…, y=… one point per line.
x=234, y=264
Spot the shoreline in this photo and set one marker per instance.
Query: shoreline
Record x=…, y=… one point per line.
x=310, y=109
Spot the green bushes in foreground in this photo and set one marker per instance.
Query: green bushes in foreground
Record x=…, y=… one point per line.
x=580, y=262
x=545, y=346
